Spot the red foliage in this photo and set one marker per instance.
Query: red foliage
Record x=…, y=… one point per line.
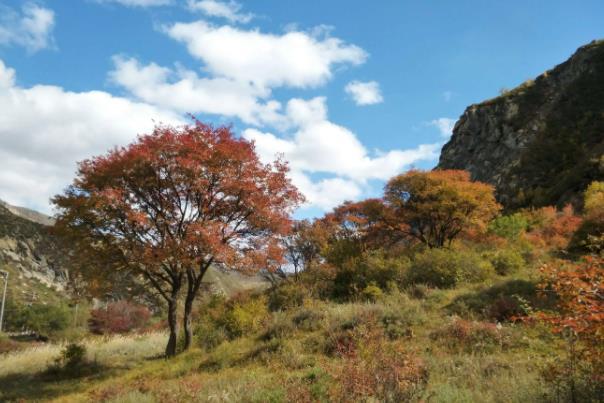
x=553, y=229
x=171, y=204
x=118, y=317
x=579, y=289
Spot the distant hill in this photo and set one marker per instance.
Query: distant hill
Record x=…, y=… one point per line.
x=34, y=260
x=541, y=143
x=28, y=214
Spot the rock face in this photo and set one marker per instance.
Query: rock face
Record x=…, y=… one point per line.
x=542, y=142
x=28, y=251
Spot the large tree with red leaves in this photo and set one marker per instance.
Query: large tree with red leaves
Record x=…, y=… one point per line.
x=168, y=206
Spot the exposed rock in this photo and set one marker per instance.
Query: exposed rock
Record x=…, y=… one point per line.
x=27, y=249
x=542, y=142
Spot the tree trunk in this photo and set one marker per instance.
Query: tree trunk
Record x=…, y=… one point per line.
x=187, y=316
x=193, y=284
x=173, y=324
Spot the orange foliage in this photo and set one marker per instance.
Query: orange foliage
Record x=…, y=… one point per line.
x=553, y=229
x=436, y=206
x=580, y=292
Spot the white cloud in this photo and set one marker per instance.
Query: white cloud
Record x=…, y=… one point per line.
x=293, y=59
x=138, y=3
x=319, y=146
x=444, y=125
x=364, y=93
x=45, y=129
x=184, y=91
x=30, y=28
x=229, y=10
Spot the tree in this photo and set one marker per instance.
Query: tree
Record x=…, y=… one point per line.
x=301, y=246
x=434, y=207
x=171, y=204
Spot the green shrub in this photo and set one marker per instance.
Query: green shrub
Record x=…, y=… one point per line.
x=72, y=362
x=209, y=336
x=279, y=327
x=506, y=261
x=39, y=318
x=500, y=302
x=372, y=293
x=445, y=268
x=286, y=296
x=308, y=319
x=354, y=275
x=244, y=317
x=509, y=226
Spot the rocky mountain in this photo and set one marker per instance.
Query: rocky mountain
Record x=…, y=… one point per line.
x=542, y=142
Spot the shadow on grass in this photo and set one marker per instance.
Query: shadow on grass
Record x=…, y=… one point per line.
x=501, y=301
x=51, y=383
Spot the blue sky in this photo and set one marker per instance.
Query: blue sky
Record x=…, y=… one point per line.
x=352, y=92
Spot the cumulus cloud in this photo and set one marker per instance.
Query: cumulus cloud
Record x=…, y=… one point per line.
x=293, y=59
x=319, y=146
x=138, y=3
x=229, y=10
x=45, y=129
x=364, y=93
x=31, y=27
x=184, y=91
x=444, y=125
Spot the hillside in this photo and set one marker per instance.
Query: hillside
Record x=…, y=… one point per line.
x=540, y=143
x=30, y=255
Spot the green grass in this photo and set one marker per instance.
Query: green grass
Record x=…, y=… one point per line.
x=281, y=362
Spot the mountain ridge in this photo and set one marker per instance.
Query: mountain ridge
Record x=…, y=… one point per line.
x=542, y=142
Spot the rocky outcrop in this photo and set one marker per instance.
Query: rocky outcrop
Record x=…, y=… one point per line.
x=28, y=251
x=542, y=142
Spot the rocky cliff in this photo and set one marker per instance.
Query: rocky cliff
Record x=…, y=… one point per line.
x=542, y=142
x=30, y=255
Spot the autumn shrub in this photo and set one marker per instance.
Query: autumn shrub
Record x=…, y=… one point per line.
x=551, y=229
x=242, y=317
x=308, y=319
x=318, y=279
x=471, y=336
x=579, y=291
x=280, y=326
x=509, y=308
x=378, y=370
x=286, y=296
x=506, y=300
x=119, y=317
x=574, y=377
x=446, y=268
x=506, y=261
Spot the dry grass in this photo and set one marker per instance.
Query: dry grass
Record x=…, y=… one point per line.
x=110, y=351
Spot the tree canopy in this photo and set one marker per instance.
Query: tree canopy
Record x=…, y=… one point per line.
x=172, y=203
x=435, y=206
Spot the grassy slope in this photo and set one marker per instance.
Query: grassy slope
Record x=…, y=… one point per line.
x=248, y=369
